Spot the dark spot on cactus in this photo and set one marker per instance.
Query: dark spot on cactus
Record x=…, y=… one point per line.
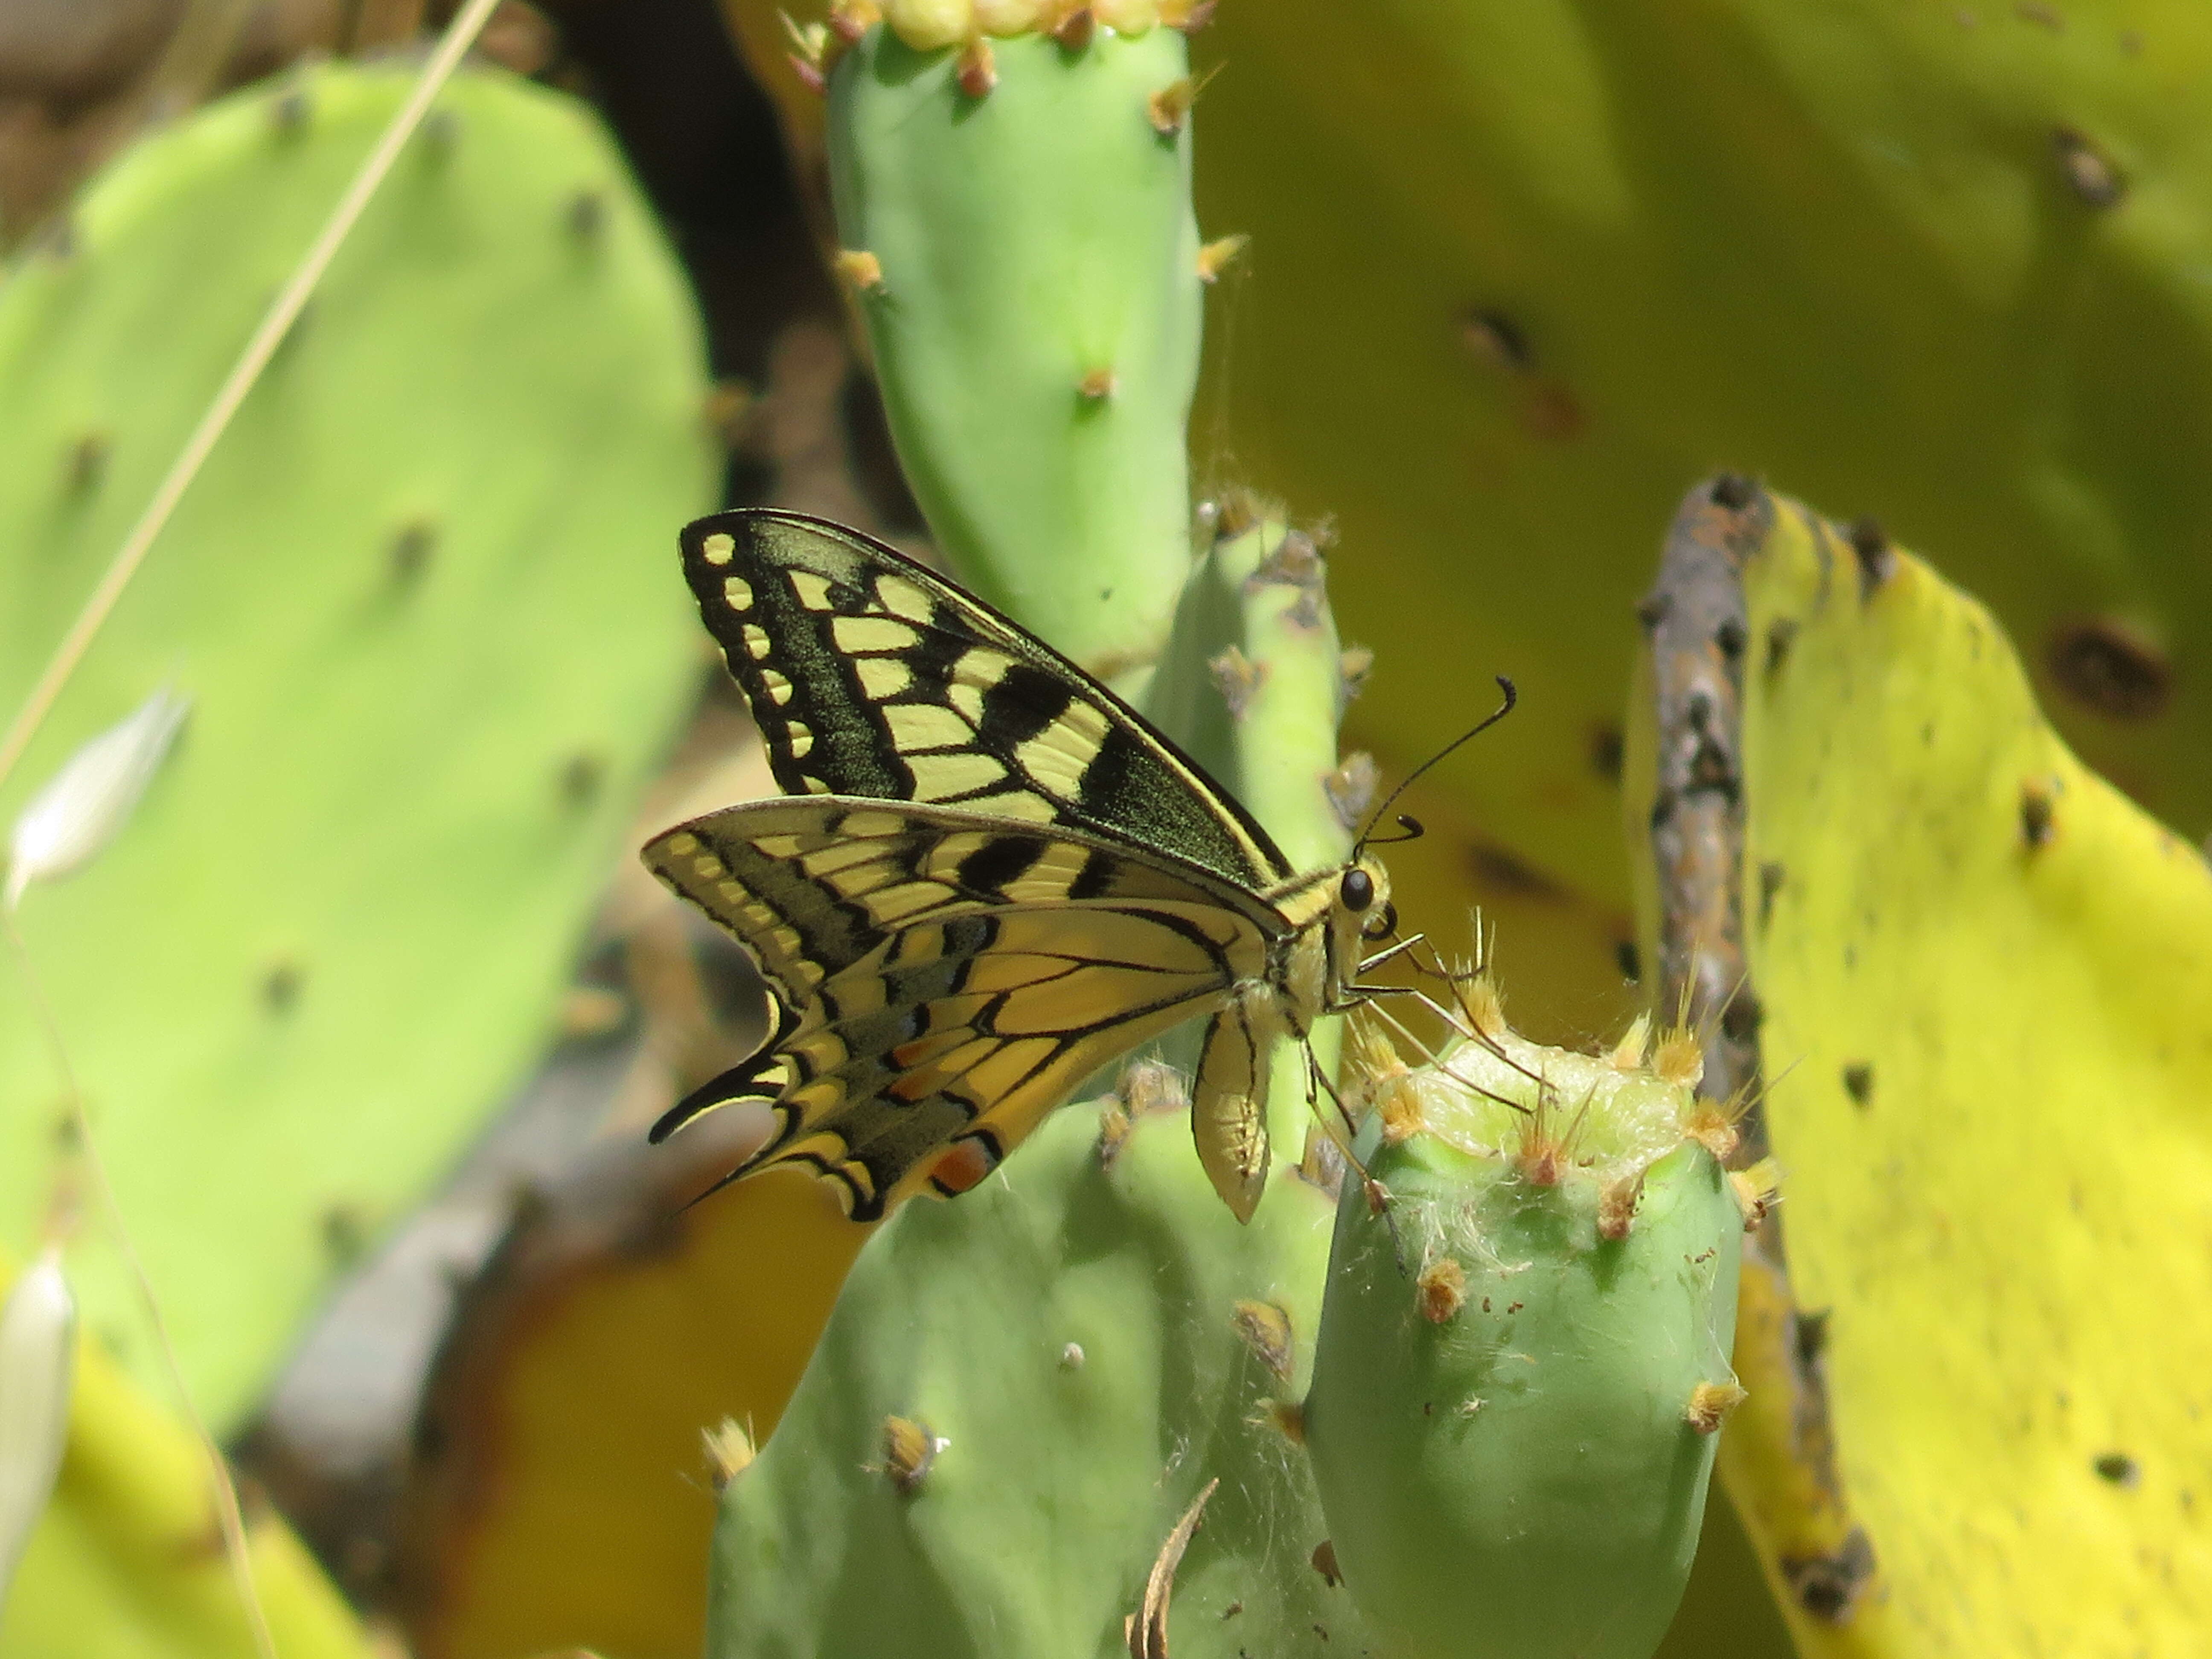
x=1514, y=1307
x=1096, y=385
x=296, y=330
x=1496, y=339
x=1324, y=1563
x=2108, y=667
x=1232, y=1610
x=1858, y=1083
x=1552, y=412
x=2039, y=11
x=1626, y=958
x=1812, y=1335
x=58, y=240
x=583, y=775
x=1074, y=31
x=978, y=71
x=1732, y=492
x=2036, y=814
x=1781, y=635
x=2119, y=1468
x=281, y=985
x=87, y=463
x=1877, y=559
x=1607, y=749
x=411, y=549
x=2131, y=43
x=1826, y=1586
x=1730, y=637
x=1771, y=876
x=1739, y=1020
x=2089, y=173
x=69, y=1132
x=1500, y=871
x=520, y=38
x=440, y=131
x=586, y=215
x=345, y=1235
x=289, y=113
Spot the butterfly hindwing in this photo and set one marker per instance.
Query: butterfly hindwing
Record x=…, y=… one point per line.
x=870, y=676
x=944, y=980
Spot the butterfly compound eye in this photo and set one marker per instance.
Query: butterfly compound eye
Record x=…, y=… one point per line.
x=1357, y=891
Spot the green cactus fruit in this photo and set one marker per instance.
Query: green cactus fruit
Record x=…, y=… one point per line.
x=1025, y=258
x=1520, y=272
x=1523, y=1362
x=129, y=1558
x=1089, y=1333
x=422, y=604
x=1967, y=979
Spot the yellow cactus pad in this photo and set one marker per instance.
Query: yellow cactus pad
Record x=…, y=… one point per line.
x=1973, y=981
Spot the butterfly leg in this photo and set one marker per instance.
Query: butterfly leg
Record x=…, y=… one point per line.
x=1229, y=1104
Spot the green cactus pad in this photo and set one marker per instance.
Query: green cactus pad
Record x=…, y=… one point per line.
x=1978, y=1388
x=424, y=604
x=1035, y=322
x=1526, y=1312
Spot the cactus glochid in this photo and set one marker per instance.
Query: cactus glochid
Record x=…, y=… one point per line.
x=1524, y=1353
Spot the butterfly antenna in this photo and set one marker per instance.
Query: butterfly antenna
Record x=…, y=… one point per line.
x=1477, y=730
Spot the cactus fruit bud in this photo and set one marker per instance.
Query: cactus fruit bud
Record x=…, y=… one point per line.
x=1524, y=1354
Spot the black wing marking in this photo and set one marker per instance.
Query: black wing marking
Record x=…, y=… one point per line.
x=870, y=676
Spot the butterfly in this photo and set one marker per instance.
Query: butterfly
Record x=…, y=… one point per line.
x=988, y=878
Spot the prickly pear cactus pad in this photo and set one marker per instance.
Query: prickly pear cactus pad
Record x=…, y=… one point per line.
x=1966, y=981
x=1523, y=1362
x=1937, y=263
x=422, y=605
x=1018, y=234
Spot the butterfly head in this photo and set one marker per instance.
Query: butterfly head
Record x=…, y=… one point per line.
x=1362, y=912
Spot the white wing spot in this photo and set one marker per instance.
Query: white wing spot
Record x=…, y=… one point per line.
x=800, y=737
x=739, y=593
x=813, y=591
x=719, y=548
x=756, y=640
x=779, y=688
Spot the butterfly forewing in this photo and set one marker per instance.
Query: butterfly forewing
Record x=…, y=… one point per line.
x=870, y=676
x=946, y=979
